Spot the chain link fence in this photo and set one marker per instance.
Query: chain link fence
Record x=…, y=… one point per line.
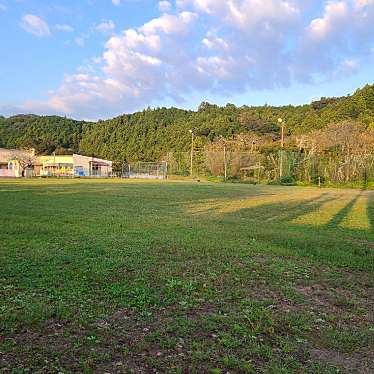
x=258, y=167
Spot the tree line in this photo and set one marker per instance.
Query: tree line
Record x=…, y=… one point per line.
x=151, y=134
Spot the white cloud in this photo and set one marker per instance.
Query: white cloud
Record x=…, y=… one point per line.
x=137, y=65
x=116, y=2
x=105, y=27
x=35, y=25
x=348, y=66
x=245, y=14
x=64, y=28
x=213, y=42
x=220, y=46
x=164, y=6
x=335, y=13
x=342, y=17
x=341, y=35
x=363, y=3
x=170, y=24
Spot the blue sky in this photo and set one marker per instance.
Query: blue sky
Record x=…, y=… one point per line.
x=95, y=59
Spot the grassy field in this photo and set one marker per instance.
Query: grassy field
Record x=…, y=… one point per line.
x=180, y=277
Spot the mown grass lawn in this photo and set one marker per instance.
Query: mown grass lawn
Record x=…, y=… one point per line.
x=127, y=276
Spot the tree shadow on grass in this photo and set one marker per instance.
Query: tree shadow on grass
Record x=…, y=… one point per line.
x=338, y=218
x=302, y=207
x=283, y=211
x=273, y=225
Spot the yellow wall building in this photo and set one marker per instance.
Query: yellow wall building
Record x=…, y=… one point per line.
x=59, y=166
x=74, y=166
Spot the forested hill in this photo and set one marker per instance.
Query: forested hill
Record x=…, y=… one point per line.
x=150, y=134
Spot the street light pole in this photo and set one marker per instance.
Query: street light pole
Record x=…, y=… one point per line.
x=192, y=149
x=280, y=121
x=282, y=140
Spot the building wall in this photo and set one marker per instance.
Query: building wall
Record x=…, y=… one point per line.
x=10, y=165
x=56, y=159
x=6, y=173
x=82, y=166
x=57, y=165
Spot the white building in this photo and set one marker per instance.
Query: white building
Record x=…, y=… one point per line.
x=74, y=166
x=17, y=163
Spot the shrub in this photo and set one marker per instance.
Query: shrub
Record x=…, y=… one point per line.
x=287, y=180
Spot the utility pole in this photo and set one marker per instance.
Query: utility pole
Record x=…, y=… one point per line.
x=192, y=149
x=224, y=156
x=225, y=160
x=54, y=164
x=282, y=139
x=280, y=121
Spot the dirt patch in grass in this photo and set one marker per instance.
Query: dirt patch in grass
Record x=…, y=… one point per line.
x=194, y=340
x=36, y=349
x=366, y=243
x=347, y=363
x=342, y=322
x=337, y=301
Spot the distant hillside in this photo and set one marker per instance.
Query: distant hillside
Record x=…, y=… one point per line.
x=44, y=133
x=149, y=134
